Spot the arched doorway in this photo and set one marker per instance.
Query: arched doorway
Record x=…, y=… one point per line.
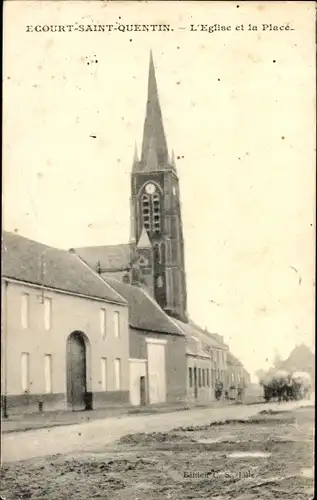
x=76, y=371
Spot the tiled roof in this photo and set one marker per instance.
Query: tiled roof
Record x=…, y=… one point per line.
x=195, y=331
x=231, y=359
x=109, y=257
x=215, y=337
x=32, y=262
x=144, y=312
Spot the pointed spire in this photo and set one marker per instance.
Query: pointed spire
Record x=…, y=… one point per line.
x=153, y=125
x=151, y=157
x=173, y=159
x=136, y=161
x=136, y=156
x=144, y=241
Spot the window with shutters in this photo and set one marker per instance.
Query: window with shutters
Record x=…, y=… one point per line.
x=199, y=377
x=156, y=213
x=151, y=212
x=116, y=318
x=204, y=378
x=190, y=375
x=146, y=216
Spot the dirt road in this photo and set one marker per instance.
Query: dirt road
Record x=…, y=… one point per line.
x=269, y=456
x=89, y=435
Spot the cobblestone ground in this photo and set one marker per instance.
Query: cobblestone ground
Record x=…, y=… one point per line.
x=268, y=456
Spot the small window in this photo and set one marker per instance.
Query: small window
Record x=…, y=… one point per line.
x=25, y=310
x=25, y=382
x=103, y=322
x=159, y=282
x=199, y=377
x=48, y=373
x=103, y=366
x=204, y=378
x=190, y=373
x=47, y=313
x=117, y=369
x=208, y=379
x=116, y=320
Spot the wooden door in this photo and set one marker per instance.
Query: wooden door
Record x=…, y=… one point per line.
x=76, y=372
x=142, y=391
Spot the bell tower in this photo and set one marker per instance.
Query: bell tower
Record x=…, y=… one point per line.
x=155, y=208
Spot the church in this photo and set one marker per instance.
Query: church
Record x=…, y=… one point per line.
x=105, y=326
x=154, y=262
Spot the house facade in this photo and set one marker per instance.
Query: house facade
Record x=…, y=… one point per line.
x=157, y=349
x=238, y=378
x=206, y=364
x=65, y=337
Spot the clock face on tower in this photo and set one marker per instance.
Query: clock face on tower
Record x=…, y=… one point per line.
x=150, y=188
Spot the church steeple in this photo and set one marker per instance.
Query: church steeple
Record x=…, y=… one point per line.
x=153, y=132
x=156, y=219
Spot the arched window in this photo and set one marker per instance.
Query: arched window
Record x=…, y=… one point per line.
x=150, y=207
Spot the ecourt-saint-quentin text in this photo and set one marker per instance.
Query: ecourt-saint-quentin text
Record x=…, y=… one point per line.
x=208, y=28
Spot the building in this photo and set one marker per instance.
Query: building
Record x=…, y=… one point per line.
x=154, y=257
x=157, y=349
x=238, y=379
x=206, y=363
x=65, y=336
x=106, y=325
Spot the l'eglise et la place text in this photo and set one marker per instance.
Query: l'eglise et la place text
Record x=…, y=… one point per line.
x=212, y=28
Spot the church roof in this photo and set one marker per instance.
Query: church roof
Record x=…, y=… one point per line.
x=144, y=241
x=144, y=312
x=32, y=262
x=154, y=152
x=107, y=257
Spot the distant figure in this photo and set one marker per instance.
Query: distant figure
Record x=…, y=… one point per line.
x=240, y=394
x=218, y=389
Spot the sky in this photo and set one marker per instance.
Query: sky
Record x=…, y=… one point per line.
x=239, y=112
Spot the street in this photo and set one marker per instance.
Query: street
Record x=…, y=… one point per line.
x=241, y=452
x=89, y=435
